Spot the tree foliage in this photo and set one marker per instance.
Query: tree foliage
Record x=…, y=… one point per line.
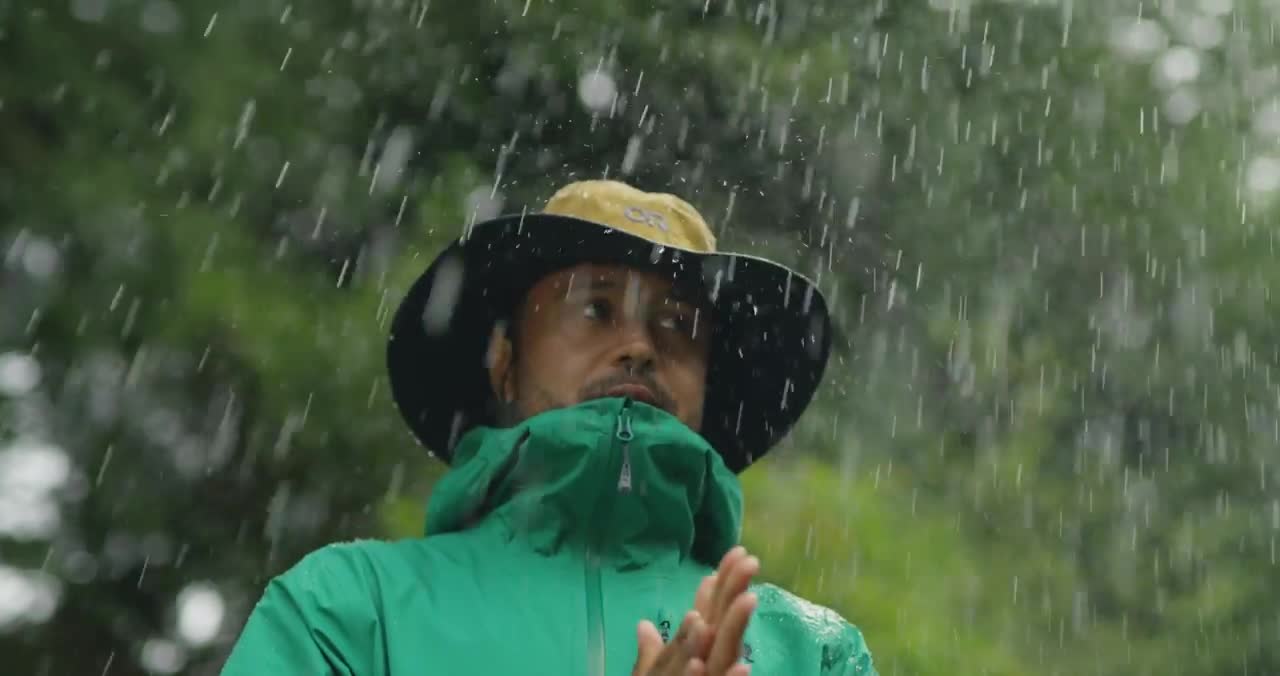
x=1048, y=440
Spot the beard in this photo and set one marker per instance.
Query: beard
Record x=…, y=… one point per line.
x=523, y=407
x=538, y=400
x=600, y=388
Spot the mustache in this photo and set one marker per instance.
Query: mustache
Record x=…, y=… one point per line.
x=598, y=388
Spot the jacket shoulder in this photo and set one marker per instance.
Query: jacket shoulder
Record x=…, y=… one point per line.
x=820, y=621
x=838, y=647
x=343, y=564
x=314, y=616
x=350, y=575
x=328, y=613
x=335, y=562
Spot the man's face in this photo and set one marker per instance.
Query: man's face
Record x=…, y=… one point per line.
x=594, y=331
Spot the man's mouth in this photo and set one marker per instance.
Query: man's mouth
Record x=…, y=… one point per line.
x=637, y=387
x=635, y=391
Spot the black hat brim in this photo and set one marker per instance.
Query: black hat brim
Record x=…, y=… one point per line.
x=771, y=336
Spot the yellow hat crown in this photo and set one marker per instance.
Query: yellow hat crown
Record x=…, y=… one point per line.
x=658, y=217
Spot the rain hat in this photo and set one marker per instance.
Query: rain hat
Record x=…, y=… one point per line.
x=771, y=327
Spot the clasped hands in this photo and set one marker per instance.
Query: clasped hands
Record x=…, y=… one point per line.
x=709, y=641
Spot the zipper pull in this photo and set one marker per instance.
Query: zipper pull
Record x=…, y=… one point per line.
x=625, y=435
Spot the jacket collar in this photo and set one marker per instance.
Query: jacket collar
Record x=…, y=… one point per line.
x=557, y=481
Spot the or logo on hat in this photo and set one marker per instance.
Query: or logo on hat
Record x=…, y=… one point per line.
x=646, y=216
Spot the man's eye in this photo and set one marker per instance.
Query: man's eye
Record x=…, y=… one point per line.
x=597, y=309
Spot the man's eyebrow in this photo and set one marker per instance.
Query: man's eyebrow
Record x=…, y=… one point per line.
x=576, y=286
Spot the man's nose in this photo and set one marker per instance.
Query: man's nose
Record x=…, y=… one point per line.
x=635, y=350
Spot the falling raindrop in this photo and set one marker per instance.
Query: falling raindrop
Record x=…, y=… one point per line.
x=632, y=155
x=90, y=10
x=395, y=157
x=160, y=16
x=1182, y=106
x=200, y=613
x=80, y=567
x=40, y=258
x=597, y=90
x=27, y=596
x=30, y=473
x=163, y=656
x=1205, y=32
x=1263, y=175
x=1138, y=38
x=1216, y=7
x=444, y=296
x=482, y=204
x=19, y=374
x=1178, y=66
x=1266, y=120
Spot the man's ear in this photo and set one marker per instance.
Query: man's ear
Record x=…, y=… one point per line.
x=500, y=362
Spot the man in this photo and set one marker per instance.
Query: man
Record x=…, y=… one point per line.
x=596, y=375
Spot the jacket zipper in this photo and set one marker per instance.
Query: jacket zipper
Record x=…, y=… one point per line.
x=625, y=435
x=596, y=662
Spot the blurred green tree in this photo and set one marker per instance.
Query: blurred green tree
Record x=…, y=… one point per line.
x=1048, y=443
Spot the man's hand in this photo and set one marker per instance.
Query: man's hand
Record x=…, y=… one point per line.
x=709, y=641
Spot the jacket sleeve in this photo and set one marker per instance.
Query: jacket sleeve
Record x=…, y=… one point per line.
x=316, y=619
x=849, y=655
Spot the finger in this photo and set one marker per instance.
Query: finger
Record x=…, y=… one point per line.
x=698, y=643
x=649, y=646
x=739, y=670
x=739, y=578
x=691, y=640
x=727, y=647
x=723, y=574
x=702, y=598
x=696, y=667
x=726, y=650
x=726, y=562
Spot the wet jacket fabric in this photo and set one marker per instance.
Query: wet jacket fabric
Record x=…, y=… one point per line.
x=547, y=543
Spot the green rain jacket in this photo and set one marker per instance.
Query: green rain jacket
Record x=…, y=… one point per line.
x=547, y=543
